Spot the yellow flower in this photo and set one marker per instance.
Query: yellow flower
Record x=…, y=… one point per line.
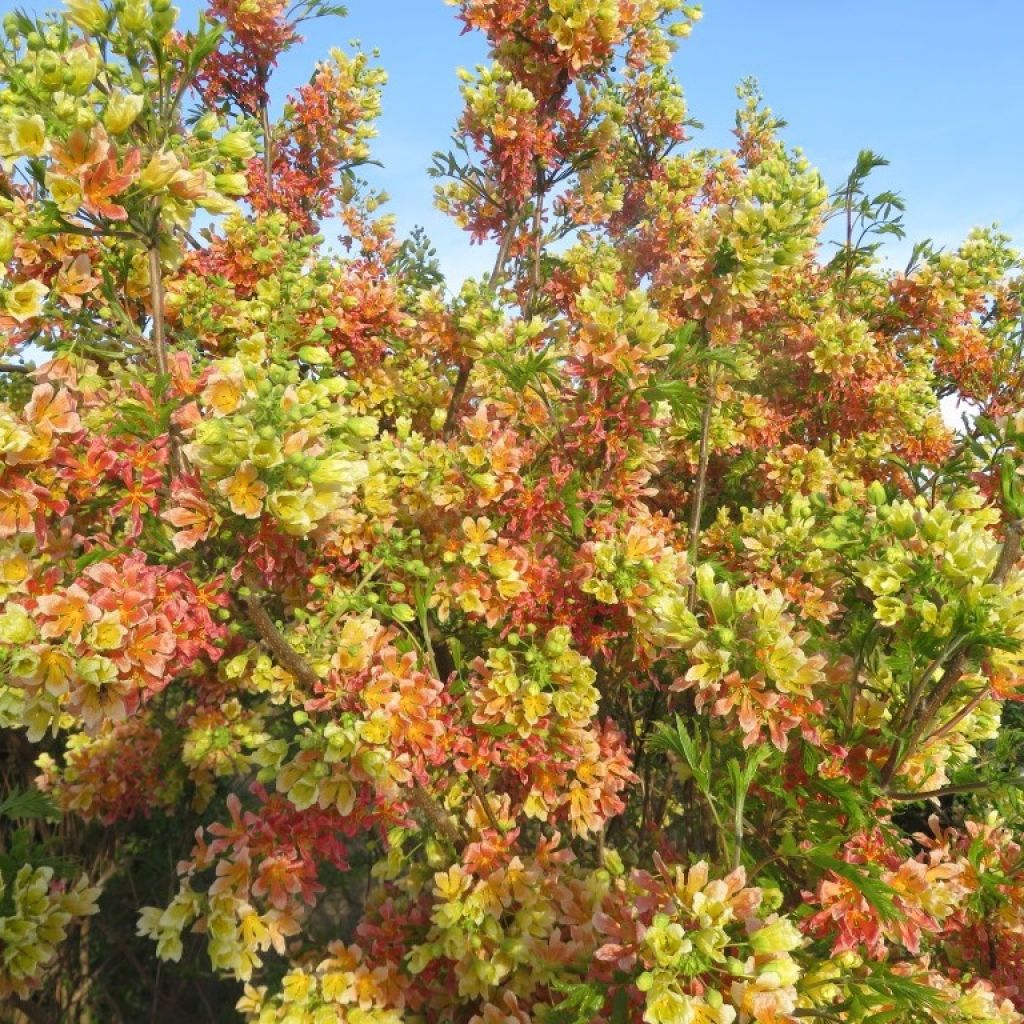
x=780, y=936
x=245, y=491
x=297, y=986
x=28, y=136
x=224, y=393
x=292, y=509
x=339, y=473
x=535, y=705
x=376, y=730
x=65, y=192
x=7, y=239
x=237, y=146
x=162, y=169
x=87, y=14
x=16, y=626
x=122, y=110
x=108, y=634
x=14, y=571
x=25, y=301
x=451, y=884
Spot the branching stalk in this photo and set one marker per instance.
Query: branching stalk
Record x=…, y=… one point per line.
x=466, y=366
x=297, y=665
x=954, y=670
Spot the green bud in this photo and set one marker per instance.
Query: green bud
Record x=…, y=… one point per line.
x=403, y=612
x=232, y=184
x=315, y=355
x=206, y=126
x=237, y=146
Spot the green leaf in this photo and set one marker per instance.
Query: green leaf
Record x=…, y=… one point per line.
x=28, y=804
x=583, y=1001
x=679, y=742
x=878, y=895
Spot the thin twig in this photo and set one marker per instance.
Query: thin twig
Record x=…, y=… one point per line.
x=1011, y=551
x=967, y=709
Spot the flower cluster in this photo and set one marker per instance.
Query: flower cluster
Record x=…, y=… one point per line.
x=37, y=912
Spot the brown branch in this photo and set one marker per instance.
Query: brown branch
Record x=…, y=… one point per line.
x=481, y=796
x=537, y=231
x=465, y=368
x=440, y=822
x=917, y=692
x=932, y=794
x=268, y=148
x=697, y=511
x=297, y=665
x=1010, y=552
x=283, y=651
x=30, y=1010
x=156, y=289
x=15, y=368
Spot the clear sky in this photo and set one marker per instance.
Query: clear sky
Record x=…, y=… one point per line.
x=934, y=85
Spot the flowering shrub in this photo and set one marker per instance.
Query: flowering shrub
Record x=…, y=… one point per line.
x=624, y=637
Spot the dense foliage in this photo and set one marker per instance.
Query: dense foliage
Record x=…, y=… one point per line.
x=625, y=636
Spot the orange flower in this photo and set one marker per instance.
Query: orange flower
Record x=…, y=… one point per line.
x=69, y=613
x=245, y=491
x=75, y=280
x=17, y=511
x=194, y=518
x=52, y=412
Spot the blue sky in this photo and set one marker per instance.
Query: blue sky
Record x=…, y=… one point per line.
x=935, y=86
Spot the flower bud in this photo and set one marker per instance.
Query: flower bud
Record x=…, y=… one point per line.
x=216, y=203
x=232, y=184
x=315, y=355
x=206, y=125
x=237, y=146
x=163, y=21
